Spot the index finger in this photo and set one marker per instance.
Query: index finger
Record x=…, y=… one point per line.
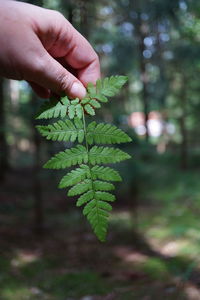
x=82, y=57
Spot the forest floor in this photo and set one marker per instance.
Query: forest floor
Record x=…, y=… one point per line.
x=151, y=254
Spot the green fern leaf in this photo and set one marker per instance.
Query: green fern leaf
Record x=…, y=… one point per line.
x=105, y=134
x=71, y=111
x=80, y=188
x=89, y=180
x=102, y=186
x=85, y=198
x=75, y=176
x=54, y=109
x=89, y=207
x=104, y=196
x=75, y=101
x=95, y=103
x=91, y=88
x=101, y=98
x=79, y=111
x=105, y=173
x=104, y=205
x=104, y=155
x=68, y=158
x=85, y=100
x=89, y=109
x=97, y=215
x=63, y=131
x=110, y=86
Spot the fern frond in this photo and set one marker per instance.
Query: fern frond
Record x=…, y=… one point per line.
x=105, y=134
x=89, y=109
x=71, y=111
x=89, y=180
x=79, y=111
x=104, y=196
x=104, y=155
x=68, y=158
x=85, y=198
x=95, y=103
x=80, y=188
x=102, y=186
x=54, y=109
x=110, y=86
x=97, y=214
x=63, y=131
x=75, y=176
x=105, y=173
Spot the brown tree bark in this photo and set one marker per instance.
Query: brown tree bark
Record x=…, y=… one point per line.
x=36, y=182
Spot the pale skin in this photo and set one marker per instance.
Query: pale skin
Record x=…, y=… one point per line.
x=40, y=46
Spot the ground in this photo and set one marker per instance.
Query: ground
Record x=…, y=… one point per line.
x=154, y=256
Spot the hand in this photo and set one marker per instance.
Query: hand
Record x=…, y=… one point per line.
x=41, y=46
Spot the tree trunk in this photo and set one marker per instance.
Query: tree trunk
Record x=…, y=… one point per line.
x=3, y=143
x=36, y=182
x=85, y=8
x=183, y=128
x=141, y=34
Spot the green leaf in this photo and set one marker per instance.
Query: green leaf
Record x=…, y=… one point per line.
x=110, y=86
x=105, y=134
x=103, y=186
x=105, y=155
x=75, y=176
x=79, y=111
x=75, y=101
x=65, y=100
x=71, y=111
x=104, y=196
x=95, y=103
x=104, y=205
x=85, y=100
x=89, y=109
x=68, y=158
x=85, y=198
x=80, y=188
x=63, y=131
x=97, y=215
x=91, y=88
x=105, y=173
x=101, y=98
x=89, y=206
x=89, y=180
x=53, y=109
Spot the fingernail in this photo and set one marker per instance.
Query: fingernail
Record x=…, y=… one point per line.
x=78, y=90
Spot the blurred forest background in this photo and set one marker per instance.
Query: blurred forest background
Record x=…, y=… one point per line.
x=47, y=249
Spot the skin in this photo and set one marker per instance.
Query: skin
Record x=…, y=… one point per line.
x=40, y=46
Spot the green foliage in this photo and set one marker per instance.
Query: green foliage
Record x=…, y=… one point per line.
x=63, y=131
x=68, y=158
x=105, y=134
x=54, y=109
x=90, y=180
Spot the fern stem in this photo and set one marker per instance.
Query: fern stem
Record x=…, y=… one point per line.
x=85, y=134
x=87, y=147
x=89, y=165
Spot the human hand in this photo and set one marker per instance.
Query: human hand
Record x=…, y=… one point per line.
x=41, y=46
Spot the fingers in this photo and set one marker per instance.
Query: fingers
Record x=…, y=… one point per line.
x=59, y=41
x=50, y=74
x=84, y=59
x=75, y=50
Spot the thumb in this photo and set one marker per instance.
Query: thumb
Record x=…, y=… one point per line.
x=50, y=74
